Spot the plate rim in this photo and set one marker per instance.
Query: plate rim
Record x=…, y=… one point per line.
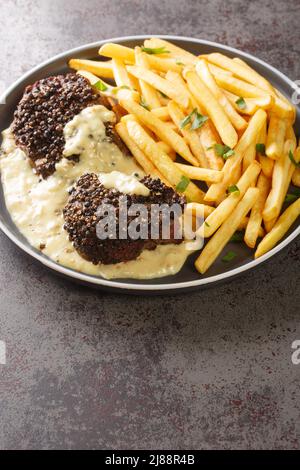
x=98, y=281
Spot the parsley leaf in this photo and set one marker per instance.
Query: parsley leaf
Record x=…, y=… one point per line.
x=197, y=122
x=100, y=85
x=223, y=151
x=155, y=50
x=183, y=184
x=229, y=256
x=241, y=103
x=291, y=157
x=291, y=197
x=233, y=189
x=237, y=237
x=261, y=149
x=144, y=104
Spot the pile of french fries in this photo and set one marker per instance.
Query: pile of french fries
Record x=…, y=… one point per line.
x=210, y=119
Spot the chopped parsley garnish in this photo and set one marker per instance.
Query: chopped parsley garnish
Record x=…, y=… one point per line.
x=291, y=197
x=233, y=189
x=144, y=104
x=229, y=256
x=179, y=63
x=261, y=149
x=237, y=237
x=291, y=157
x=183, y=184
x=100, y=85
x=155, y=50
x=223, y=151
x=162, y=94
x=207, y=225
x=195, y=118
x=241, y=103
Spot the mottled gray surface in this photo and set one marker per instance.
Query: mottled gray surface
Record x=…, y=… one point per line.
x=206, y=370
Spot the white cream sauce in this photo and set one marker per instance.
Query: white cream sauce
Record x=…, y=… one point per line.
x=127, y=184
x=36, y=205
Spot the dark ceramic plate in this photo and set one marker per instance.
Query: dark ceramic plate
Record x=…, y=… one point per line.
x=188, y=278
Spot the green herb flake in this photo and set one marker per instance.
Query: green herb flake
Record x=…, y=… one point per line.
x=291, y=157
x=100, y=85
x=261, y=149
x=241, y=103
x=162, y=94
x=155, y=50
x=291, y=197
x=237, y=237
x=144, y=104
x=223, y=151
x=233, y=189
x=229, y=256
x=179, y=63
x=183, y=184
x=197, y=122
x=207, y=225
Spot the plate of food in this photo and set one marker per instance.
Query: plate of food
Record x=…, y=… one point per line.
x=150, y=164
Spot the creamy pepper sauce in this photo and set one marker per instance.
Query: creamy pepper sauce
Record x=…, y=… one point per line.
x=36, y=205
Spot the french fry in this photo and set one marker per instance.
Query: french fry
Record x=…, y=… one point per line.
x=160, y=128
x=120, y=74
x=282, y=174
x=255, y=219
x=267, y=164
x=243, y=226
x=225, y=208
x=156, y=81
x=161, y=160
x=252, y=104
x=164, y=65
x=167, y=149
x=214, y=68
x=296, y=177
x=195, y=208
x=148, y=92
x=275, y=137
x=239, y=70
x=208, y=139
x=201, y=174
x=238, y=87
x=282, y=225
x=281, y=106
x=191, y=136
x=207, y=101
x=203, y=71
x=216, y=190
x=249, y=155
x=177, y=80
x=117, y=51
x=140, y=157
x=162, y=113
x=92, y=78
x=269, y=224
x=101, y=69
x=174, y=51
x=216, y=244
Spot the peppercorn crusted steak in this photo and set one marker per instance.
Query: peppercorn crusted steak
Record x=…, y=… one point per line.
x=45, y=108
x=81, y=218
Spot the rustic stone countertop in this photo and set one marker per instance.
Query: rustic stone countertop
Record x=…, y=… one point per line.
x=211, y=369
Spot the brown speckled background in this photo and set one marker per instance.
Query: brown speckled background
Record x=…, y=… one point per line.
x=211, y=369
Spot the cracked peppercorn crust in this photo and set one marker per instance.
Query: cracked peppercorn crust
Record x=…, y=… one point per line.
x=45, y=109
x=81, y=219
